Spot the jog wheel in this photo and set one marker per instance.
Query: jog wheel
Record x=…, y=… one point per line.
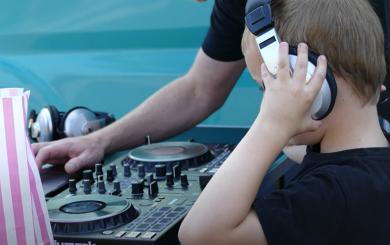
x=185, y=154
x=89, y=213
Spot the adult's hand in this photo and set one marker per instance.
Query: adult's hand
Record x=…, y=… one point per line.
x=76, y=153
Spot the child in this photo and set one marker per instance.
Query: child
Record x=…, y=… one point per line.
x=342, y=194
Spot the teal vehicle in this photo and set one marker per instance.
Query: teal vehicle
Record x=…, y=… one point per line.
x=111, y=55
x=108, y=55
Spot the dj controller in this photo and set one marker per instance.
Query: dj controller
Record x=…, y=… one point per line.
x=141, y=197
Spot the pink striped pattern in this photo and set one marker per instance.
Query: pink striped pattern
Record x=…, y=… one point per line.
x=13, y=164
x=30, y=216
x=3, y=231
x=34, y=186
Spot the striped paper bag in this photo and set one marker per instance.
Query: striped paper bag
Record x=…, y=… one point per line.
x=23, y=214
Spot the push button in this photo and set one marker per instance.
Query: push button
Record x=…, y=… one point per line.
x=108, y=232
x=148, y=235
x=133, y=234
x=120, y=234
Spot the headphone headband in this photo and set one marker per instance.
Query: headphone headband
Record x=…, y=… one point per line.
x=50, y=124
x=258, y=16
x=258, y=19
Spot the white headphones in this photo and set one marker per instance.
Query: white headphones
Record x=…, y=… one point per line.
x=258, y=19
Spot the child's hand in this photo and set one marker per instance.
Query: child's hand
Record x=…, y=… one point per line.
x=288, y=98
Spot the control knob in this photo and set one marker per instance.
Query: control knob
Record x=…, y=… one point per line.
x=87, y=186
x=161, y=170
x=98, y=169
x=141, y=170
x=170, y=181
x=110, y=175
x=101, y=187
x=137, y=187
x=184, y=180
x=126, y=170
x=87, y=174
x=113, y=167
x=117, y=188
x=72, y=186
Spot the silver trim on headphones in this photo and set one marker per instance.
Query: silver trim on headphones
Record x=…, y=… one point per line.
x=268, y=50
x=42, y=129
x=74, y=125
x=322, y=100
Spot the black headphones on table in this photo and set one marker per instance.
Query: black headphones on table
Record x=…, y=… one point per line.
x=51, y=124
x=258, y=19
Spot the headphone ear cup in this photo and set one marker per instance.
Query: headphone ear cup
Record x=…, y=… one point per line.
x=44, y=125
x=326, y=97
x=75, y=119
x=55, y=120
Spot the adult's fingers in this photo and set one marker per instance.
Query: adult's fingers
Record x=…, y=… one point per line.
x=36, y=146
x=283, y=73
x=51, y=152
x=75, y=164
x=300, y=69
x=61, y=160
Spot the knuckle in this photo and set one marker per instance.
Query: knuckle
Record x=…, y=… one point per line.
x=322, y=73
x=302, y=64
x=282, y=64
x=308, y=99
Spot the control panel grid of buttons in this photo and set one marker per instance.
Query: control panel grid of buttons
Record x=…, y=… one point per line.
x=156, y=219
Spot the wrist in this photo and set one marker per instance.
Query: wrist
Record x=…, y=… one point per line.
x=101, y=140
x=275, y=130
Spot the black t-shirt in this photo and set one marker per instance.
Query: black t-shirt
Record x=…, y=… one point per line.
x=337, y=198
x=223, y=39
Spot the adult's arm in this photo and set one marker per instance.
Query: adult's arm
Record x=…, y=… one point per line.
x=176, y=107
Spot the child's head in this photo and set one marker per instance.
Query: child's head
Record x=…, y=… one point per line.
x=347, y=32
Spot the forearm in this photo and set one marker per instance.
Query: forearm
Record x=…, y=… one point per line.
x=227, y=199
x=171, y=110
x=178, y=106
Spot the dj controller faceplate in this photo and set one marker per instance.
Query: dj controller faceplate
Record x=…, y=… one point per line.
x=141, y=197
x=154, y=195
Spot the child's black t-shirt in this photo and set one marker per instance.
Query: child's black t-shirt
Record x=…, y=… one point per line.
x=337, y=198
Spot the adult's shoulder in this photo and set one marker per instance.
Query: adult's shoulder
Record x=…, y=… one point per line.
x=223, y=39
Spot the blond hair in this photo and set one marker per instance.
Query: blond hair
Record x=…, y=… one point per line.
x=347, y=32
